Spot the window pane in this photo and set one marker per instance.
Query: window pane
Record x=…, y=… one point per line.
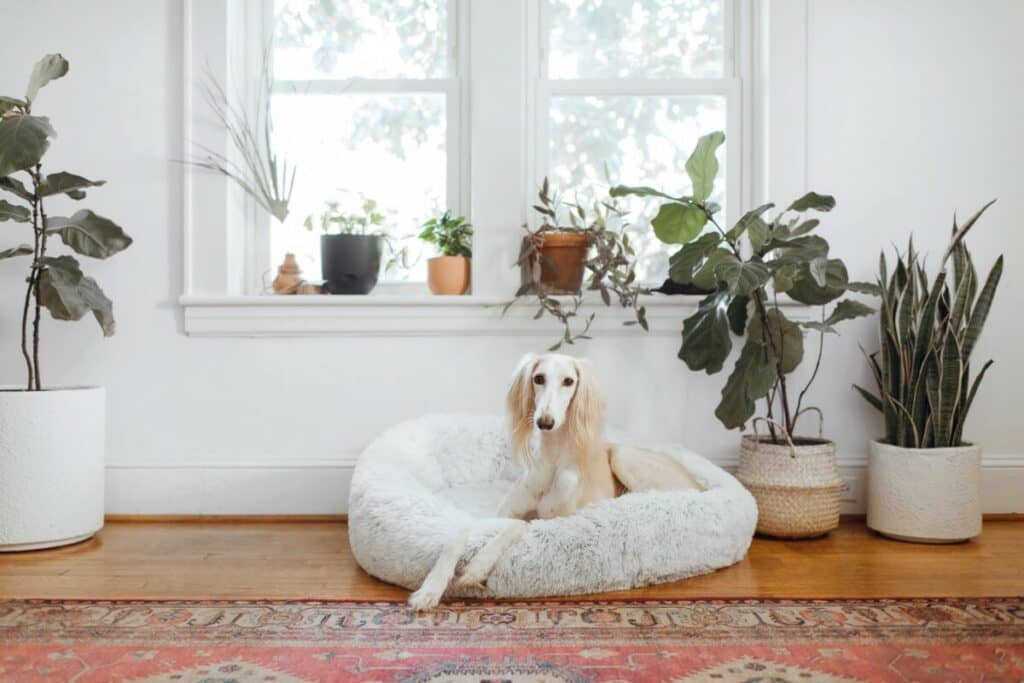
x=360, y=38
x=389, y=148
x=636, y=38
x=643, y=141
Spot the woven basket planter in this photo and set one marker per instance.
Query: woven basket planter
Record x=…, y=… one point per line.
x=797, y=488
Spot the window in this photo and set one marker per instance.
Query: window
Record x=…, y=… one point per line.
x=366, y=103
x=629, y=86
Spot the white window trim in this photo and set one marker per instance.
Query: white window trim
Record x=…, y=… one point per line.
x=504, y=172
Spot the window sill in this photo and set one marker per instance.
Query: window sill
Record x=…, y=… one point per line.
x=388, y=315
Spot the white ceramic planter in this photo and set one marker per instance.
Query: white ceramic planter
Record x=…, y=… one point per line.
x=52, y=449
x=928, y=495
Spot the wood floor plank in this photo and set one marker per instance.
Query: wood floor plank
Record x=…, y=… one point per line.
x=311, y=560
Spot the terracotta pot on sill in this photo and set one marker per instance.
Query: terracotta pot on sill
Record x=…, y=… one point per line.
x=562, y=255
x=448, y=275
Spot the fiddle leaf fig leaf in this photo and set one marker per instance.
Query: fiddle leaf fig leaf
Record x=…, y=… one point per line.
x=49, y=68
x=804, y=228
x=16, y=187
x=864, y=288
x=640, y=191
x=9, y=103
x=89, y=234
x=683, y=263
x=20, y=250
x=848, y=309
x=807, y=291
x=69, y=295
x=748, y=220
x=702, y=166
x=781, y=337
x=741, y=277
x=818, y=268
x=738, y=311
x=706, y=340
x=705, y=277
x=678, y=223
x=13, y=212
x=751, y=379
x=815, y=201
x=68, y=183
x=23, y=141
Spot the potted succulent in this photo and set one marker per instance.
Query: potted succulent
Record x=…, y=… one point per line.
x=352, y=247
x=453, y=237
x=554, y=271
x=52, y=439
x=793, y=476
x=923, y=478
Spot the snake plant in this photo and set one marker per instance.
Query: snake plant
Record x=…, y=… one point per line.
x=927, y=335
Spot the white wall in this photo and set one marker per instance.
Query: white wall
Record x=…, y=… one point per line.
x=914, y=109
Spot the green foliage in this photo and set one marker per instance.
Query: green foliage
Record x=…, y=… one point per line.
x=927, y=334
x=758, y=255
x=56, y=283
x=366, y=219
x=452, y=235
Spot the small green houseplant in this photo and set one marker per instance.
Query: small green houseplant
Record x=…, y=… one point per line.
x=353, y=245
x=923, y=477
x=749, y=267
x=448, y=273
x=50, y=429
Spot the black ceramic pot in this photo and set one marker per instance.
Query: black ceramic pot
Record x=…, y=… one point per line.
x=350, y=263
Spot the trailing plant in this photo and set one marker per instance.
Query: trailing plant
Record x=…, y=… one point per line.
x=255, y=166
x=452, y=235
x=367, y=219
x=739, y=264
x=56, y=283
x=927, y=335
x=610, y=268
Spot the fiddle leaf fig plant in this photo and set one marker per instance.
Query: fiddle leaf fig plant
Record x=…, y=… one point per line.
x=56, y=283
x=746, y=268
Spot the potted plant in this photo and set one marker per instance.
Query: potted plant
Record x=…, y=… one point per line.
x=52, y=439
x=352, y=247
x=923, y=478
x=553, y=271
x=793, y=476
x=453, y=237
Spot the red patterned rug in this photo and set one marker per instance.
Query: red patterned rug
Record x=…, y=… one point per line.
x=708, y=640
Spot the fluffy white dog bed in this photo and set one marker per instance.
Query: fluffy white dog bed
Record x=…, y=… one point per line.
x=422, y=482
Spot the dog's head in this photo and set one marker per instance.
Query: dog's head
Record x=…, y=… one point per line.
x=553, y=392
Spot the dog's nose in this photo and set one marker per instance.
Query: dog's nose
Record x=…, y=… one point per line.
x=545, y=422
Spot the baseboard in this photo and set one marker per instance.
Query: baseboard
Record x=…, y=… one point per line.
x=320, y=488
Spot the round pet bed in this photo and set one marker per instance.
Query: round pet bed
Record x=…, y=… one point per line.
x=418, y=485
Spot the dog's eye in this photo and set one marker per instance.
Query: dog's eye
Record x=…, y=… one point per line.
x=567, y=382
x=538, y=379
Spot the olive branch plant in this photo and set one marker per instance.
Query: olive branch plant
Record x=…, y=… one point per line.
x=56, y=283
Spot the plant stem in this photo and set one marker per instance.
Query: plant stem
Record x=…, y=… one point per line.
x=817, y=365
x=41, y=239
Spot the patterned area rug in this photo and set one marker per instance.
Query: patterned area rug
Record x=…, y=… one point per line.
x=712, y=640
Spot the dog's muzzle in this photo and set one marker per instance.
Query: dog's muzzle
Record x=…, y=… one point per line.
x=545, y=422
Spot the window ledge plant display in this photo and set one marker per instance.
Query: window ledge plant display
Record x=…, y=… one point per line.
x=353, y=245
x=555, y=258
x=794, y=478
x=52, y=439
x=923, y=478
x=453, y=236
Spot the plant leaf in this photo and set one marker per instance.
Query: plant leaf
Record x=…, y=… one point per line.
x=742, y=277
x=981, y=308
x=50, y=67
x=864, y=288
x=804, y=228
x=737, y=314
x=69, y=295
x=23, y=141
x=89, y=234
x=67, y=183
x=749, y=219
x=678, y=223
x=813, y=200
x=702, y=166
x=848, y=309
x=640, y=191
x=683, y=263
x=20, y=250
x=782, y=339
x=869, y=397
x=807, y=291
x=13, y=212
x=751, y=379
x=705, y=276
x=706, y=340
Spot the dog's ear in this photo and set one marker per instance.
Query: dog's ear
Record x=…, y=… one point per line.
x=519, y=406
x=586, y=411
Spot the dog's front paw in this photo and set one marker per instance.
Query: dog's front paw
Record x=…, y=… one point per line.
x=425, y=599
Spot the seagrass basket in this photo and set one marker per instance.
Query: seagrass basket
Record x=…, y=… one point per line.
x=796, y=485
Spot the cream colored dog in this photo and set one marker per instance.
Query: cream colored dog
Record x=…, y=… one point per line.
x=556, y=421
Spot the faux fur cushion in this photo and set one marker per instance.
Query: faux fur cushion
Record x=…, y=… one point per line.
x=418, y=484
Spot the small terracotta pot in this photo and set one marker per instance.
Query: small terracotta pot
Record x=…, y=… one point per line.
x=561, y=257
x=448, y=275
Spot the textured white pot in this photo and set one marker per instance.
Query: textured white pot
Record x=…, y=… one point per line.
x=928, y=495
x=52, y=449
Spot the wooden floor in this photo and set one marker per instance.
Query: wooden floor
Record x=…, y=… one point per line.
x=311, y=560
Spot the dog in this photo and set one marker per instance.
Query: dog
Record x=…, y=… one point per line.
x=556, y=414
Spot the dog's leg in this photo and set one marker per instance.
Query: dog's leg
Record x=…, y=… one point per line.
x=429, y=594
x=479, y=568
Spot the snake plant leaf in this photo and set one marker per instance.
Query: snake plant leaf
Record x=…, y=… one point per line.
x=706, y=340
x=752, y=378
x=737, y=314
x=49, y=68
x=747, y=220
x=807, y=291
x=23, y=141
x=962, y=231
x=16, y=187
x=965, y=409
x=705, y=275
x=20, y=250
x=678, y=223
x=815, y=201
x=741, y=277
x=67, y=183
x=702, y=166
x=981, y=308
x=89, y=234
x=959, y=310
x=951, y=370
x=683, y=263
x=869, y=397
x=864, y=288
x=926, y=321
x=781, y=337
x=642, y=191
x=13, y=212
